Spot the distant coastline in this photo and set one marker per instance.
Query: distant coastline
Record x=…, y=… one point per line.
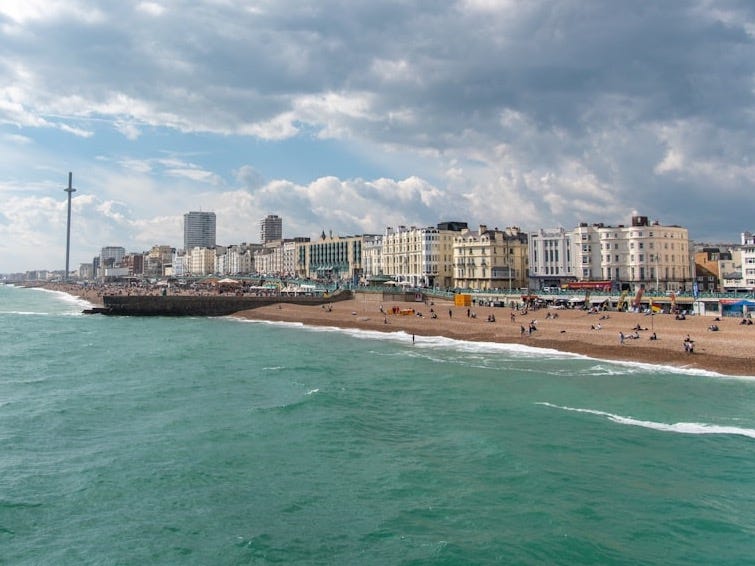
x=728, y=351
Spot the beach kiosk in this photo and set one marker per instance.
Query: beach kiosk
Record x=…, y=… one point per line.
x=462, y=300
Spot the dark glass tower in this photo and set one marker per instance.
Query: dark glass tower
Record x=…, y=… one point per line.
x=199, y=230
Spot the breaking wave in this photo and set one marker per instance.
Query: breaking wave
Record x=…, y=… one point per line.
x=681, y=428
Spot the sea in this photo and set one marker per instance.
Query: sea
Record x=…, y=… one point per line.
x=225, y=441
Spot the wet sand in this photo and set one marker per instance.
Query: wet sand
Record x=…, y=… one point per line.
x=728, y=351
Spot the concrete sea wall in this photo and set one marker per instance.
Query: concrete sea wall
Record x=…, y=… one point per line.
x=198, y=305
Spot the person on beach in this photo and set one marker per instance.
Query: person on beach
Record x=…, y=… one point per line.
x=621, y=337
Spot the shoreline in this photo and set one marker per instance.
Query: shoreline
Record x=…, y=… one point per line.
x=730, y=351
x=571, y=332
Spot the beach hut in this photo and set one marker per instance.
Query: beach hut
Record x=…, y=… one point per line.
x=737, y=307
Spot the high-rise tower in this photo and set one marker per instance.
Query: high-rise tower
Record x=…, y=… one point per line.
x=271, y=228
x=199, y=230
x=69, y=190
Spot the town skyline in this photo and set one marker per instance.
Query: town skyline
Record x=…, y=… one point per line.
x=538, y=232
x=534, y=114
x=734, y=242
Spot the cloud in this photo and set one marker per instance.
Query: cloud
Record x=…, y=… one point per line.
x=249, y=177
x=533, y=113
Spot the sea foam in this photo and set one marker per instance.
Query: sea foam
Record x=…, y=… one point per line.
x=519, y=350
x=681, y=428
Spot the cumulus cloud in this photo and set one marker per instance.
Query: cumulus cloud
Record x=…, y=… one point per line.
x=533, y=113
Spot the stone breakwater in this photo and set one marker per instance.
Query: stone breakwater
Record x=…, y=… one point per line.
x=202, y=305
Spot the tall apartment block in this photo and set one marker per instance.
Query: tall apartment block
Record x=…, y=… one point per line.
x=271, y=228
x=199, y=230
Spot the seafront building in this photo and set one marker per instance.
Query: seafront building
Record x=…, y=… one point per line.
x=291, y=254
x=86, y=271
x=421, y=257
x=708, y=268
x=268, y=260
x=111, y=255
x=748, y=259
x=372, y=258
x=158, y=260
x=201, y=261
x=640, y=254
x=624, y=257
x=488, y=259
x=550, y=259
x=178, y=265
x=732, y=269
x=199, y=230
x=332, y=259
x=109, y=262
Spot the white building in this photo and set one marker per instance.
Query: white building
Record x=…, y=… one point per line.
x=239, y=259
x=550, y=258
x=179, y=266
x=372, y=257
x=624, y=256
x=748, y=260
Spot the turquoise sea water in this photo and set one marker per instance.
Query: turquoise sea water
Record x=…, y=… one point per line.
x=219, y=441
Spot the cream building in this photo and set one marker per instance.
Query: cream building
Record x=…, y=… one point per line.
x=422, y=257
x=269, y=259
x=490, y=259
x=201, y=261
x=650, y=254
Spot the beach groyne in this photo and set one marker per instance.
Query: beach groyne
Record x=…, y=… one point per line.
x=202, y=305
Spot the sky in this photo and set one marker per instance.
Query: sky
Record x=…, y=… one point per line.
x=350, y=116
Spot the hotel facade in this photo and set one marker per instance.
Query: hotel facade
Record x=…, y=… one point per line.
x=628, y=256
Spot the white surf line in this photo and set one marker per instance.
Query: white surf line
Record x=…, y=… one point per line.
x=681, y=428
